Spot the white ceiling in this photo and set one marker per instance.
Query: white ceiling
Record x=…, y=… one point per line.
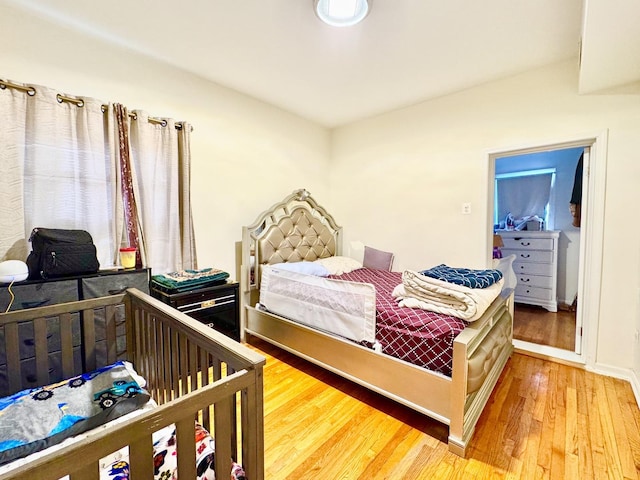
x=404, y=52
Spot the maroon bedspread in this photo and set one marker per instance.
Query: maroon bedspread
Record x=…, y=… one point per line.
x=417, y=336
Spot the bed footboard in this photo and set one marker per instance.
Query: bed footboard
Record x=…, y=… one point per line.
x=192, y=372
x=480, y=354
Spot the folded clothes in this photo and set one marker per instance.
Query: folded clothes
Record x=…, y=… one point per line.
x=188, y=279
x=464, y=276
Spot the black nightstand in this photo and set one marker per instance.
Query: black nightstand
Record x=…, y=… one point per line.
x=215, y=306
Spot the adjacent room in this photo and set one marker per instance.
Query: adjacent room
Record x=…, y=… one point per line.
x=349, y=238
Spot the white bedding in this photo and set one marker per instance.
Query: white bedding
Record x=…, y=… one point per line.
x=420, y=291
x=344, y=308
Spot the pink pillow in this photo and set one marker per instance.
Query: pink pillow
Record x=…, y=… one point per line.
x=377, y=259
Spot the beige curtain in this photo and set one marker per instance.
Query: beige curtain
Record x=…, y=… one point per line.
x=58, y=174
x=13, y=120
x=73, y=162
x=189, y=258
x=160, y=160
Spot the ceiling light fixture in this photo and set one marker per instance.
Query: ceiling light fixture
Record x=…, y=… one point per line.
x=341, y=13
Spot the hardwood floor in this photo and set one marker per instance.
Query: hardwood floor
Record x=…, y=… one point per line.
x=544, y=420
x=537, y=325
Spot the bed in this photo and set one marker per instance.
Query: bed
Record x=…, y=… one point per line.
x=298, y=229
x=198, y=378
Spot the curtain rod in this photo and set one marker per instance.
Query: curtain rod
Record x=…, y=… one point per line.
x=157, y=121
x=79, y=102
x=5, y=83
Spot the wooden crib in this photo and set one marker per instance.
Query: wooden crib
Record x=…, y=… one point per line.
x=192, y=372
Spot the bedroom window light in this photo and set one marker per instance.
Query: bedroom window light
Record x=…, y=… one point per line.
x=529, y=192
x=341, y=13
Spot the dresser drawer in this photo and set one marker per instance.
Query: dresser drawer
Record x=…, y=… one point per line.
x=205, y=303
x=533, y=268
x=527, y=243
x=533, y=256
x=39, y=294
x=539, y=281
x=525, y=291
x=216, y=307
x=104, y=285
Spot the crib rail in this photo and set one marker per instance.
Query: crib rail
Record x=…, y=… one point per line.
x=193, y=372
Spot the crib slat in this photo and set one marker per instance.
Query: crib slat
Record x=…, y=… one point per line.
x=110, y=333
x=204, y=361
x=193, y=366
x=184, y=365
x=223, y=436
x=89, y=339
x=159, y=361
x=185, y=436
x=168, y=374
x=41, y=350
x=175, y=366
x=160, y=355
x=253, y=428
x=141, y=458
x=13, y=357
x=66, y=345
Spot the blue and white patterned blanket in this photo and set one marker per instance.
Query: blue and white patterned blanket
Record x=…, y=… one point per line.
x=34, y=419
x=464, y=276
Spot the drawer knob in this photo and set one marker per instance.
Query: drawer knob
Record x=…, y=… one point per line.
x=525, y=244
x=525, y=279
x=525, y=255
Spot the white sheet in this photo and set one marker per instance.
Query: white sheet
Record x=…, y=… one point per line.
x=420, y=291
x=344, y=308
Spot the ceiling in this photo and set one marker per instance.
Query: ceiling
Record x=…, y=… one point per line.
x=405, y=51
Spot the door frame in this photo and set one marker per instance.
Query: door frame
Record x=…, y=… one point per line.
x=591, y=240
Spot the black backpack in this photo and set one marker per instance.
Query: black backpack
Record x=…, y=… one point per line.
x=57, y=252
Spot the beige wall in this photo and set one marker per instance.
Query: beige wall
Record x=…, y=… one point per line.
x=416, y=166
x=246, y=154
x=395, y=182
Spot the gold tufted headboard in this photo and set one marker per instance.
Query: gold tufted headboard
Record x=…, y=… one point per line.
x=292, y=230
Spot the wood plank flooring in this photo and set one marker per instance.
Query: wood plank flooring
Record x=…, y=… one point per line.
x=544, y=420
x=537, y=325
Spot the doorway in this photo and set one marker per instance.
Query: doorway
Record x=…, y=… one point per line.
x=579, y=248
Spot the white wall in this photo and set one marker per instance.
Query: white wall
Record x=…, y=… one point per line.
x=416, y=166
x=247, y=154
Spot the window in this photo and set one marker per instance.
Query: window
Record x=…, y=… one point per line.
x=524, y=194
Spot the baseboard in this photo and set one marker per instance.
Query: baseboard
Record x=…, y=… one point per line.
x=621, y=373
x=635, y=386
x=565, y=357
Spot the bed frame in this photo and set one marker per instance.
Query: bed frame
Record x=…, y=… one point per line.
x=192, y=372
x=299, y=229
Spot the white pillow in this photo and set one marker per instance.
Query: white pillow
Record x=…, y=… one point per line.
x=338, y=265
x=308, y=268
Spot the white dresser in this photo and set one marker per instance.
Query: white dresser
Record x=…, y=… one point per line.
x=536, y=266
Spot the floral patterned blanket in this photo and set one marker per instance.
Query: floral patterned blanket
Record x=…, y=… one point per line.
x=116, y=466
